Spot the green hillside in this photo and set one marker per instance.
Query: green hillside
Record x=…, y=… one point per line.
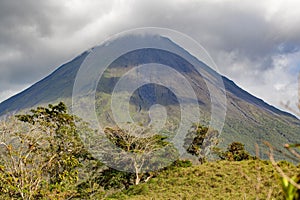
x=253, y=179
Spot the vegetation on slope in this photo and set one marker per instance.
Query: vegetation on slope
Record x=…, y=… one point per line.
x=42, y=157
x=250, y=179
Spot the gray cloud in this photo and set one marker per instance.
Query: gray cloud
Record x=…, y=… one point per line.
x=254, y=43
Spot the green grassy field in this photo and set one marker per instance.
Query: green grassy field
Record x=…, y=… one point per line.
x=253, y=179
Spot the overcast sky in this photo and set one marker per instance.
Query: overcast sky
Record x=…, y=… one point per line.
x=254, y=43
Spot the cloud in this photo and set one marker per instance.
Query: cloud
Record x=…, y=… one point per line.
x=254, y=43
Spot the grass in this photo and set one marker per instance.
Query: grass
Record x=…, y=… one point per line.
x=253, y=179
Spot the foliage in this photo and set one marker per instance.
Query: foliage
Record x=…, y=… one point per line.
x=290, y=191
x=291, y=187
x=181, y=163
x=87, y=187
x=42, y=157
x=133, y=140
x=65, y=146
x=41, y=154
x=21, y=168
x=114, y=179
x=199, y=141
x=235, y=152
x=290, y=184
x=138, y=144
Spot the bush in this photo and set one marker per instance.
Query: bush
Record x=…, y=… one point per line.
x=235, y=152
x=182, y=163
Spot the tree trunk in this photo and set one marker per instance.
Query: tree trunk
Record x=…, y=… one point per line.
x=137, y=177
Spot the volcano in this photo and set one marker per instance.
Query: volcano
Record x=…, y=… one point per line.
x=248, y=119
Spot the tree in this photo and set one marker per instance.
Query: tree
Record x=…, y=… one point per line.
x=22, y=161
x=65, y=146
x=41, y=154
x=139, y=142
x=200, y=140
x=235, y=152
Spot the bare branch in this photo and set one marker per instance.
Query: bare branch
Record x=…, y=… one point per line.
x=279, y=170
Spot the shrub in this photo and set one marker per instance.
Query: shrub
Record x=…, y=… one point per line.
x=235, y=152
